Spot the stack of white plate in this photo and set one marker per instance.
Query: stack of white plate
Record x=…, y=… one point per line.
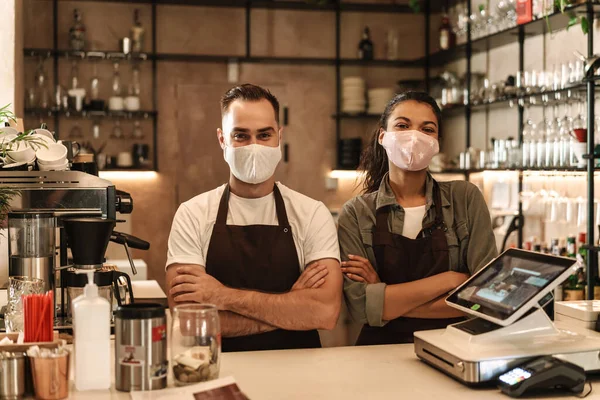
x=378, y=99
x=353, y=95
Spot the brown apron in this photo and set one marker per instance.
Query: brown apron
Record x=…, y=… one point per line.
x=262, y=258
x=400, y=260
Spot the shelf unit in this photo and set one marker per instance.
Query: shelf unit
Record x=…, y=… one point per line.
x=557, y=21
x=337, y=7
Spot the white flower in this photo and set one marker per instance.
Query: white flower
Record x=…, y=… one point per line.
x=414, y=138
x=421, y=155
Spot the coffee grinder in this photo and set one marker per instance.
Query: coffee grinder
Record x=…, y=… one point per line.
x=88, y=239
x=32, y=245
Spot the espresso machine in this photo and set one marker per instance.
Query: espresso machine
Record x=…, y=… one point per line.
x=88, y=239
x=51, y=204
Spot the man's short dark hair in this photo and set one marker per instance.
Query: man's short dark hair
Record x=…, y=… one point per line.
x=248, y=92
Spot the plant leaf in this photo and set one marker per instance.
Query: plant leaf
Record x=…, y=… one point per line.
x=585, y=25
x=572, y=22
x=415, y=5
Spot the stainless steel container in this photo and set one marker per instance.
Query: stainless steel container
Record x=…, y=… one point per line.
x=12, y=376
x=140, y=347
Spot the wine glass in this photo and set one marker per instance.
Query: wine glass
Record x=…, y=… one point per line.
x=529, y=141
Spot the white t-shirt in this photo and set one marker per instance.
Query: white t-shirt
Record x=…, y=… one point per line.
x=413, y=221
x=313, y=229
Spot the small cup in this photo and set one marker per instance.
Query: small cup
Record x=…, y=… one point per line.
x=116, y=103
x=125, y=159
x=132, y=103
x=53, y=155
x=51, y=376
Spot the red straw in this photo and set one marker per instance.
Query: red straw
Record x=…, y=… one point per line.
x=38, y=317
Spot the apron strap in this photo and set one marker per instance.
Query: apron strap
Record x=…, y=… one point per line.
x=223, y=207
x=282, y=218
x=381, y=219
x=437, y=198
x=279, y=207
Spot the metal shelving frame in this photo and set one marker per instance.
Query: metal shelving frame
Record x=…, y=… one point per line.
x=337, y=7
x=589, y=8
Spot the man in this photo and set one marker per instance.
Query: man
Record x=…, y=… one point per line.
x=265, y=255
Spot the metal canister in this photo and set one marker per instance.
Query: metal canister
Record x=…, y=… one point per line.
x=140, y=347
x=12, y=376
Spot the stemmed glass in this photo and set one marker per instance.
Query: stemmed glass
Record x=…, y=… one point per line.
x=529, y=141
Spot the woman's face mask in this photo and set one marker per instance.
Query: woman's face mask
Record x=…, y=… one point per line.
x=410, y=150
x=254, y=163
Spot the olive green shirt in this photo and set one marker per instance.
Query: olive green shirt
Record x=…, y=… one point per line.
x=471, y=242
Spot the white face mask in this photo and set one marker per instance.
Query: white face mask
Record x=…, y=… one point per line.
x=254, y=163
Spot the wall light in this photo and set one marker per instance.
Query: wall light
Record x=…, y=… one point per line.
x=128, y=175
x=345, y=174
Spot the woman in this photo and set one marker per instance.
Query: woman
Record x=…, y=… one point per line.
x=408, y=240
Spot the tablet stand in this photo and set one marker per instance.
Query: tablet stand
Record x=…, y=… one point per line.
x=479, y=331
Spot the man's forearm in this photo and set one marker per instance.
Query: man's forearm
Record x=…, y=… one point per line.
x=434, y=309
x=233, y=325
x=304, y=309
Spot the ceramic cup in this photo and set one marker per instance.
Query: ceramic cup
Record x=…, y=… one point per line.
x=125, y=159
x=22, y=152
x=132, y=103
x=55, y=154
x=116, y=103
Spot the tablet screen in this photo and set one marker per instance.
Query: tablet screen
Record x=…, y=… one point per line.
x=509, y=282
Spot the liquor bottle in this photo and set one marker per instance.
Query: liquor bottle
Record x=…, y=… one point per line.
x=571, y=247
x=77, y=32
x=137, y=33
x=581, y=240
x=554, y=247
x=447, y=36
x=365, y=47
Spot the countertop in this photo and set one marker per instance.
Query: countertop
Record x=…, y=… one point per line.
x=369, y=372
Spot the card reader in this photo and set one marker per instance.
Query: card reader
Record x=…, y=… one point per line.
x=542, y=373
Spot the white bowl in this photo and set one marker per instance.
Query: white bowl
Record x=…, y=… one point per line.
x=22, y=152
x=52, y=163
x=60, y=167
x=53, y=154
x=7, y=130
x=41, y=139
x=44, y=132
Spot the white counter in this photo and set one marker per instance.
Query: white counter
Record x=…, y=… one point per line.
x=369, y=372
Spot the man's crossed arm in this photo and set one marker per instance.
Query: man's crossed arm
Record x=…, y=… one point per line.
x=313, y=303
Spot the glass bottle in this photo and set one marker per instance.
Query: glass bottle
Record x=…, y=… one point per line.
x=77, y=32
x=565, y=138
x=447, y=36
x=137, y=131
x=43, y=96
x=95, y=83
x=525, y=147
x=365, y=47
x=117, y=87
x=542, y=128
x=135, y=81
x=137, y=33
x=553, y=140
x=74, y=75
x=117, y=132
